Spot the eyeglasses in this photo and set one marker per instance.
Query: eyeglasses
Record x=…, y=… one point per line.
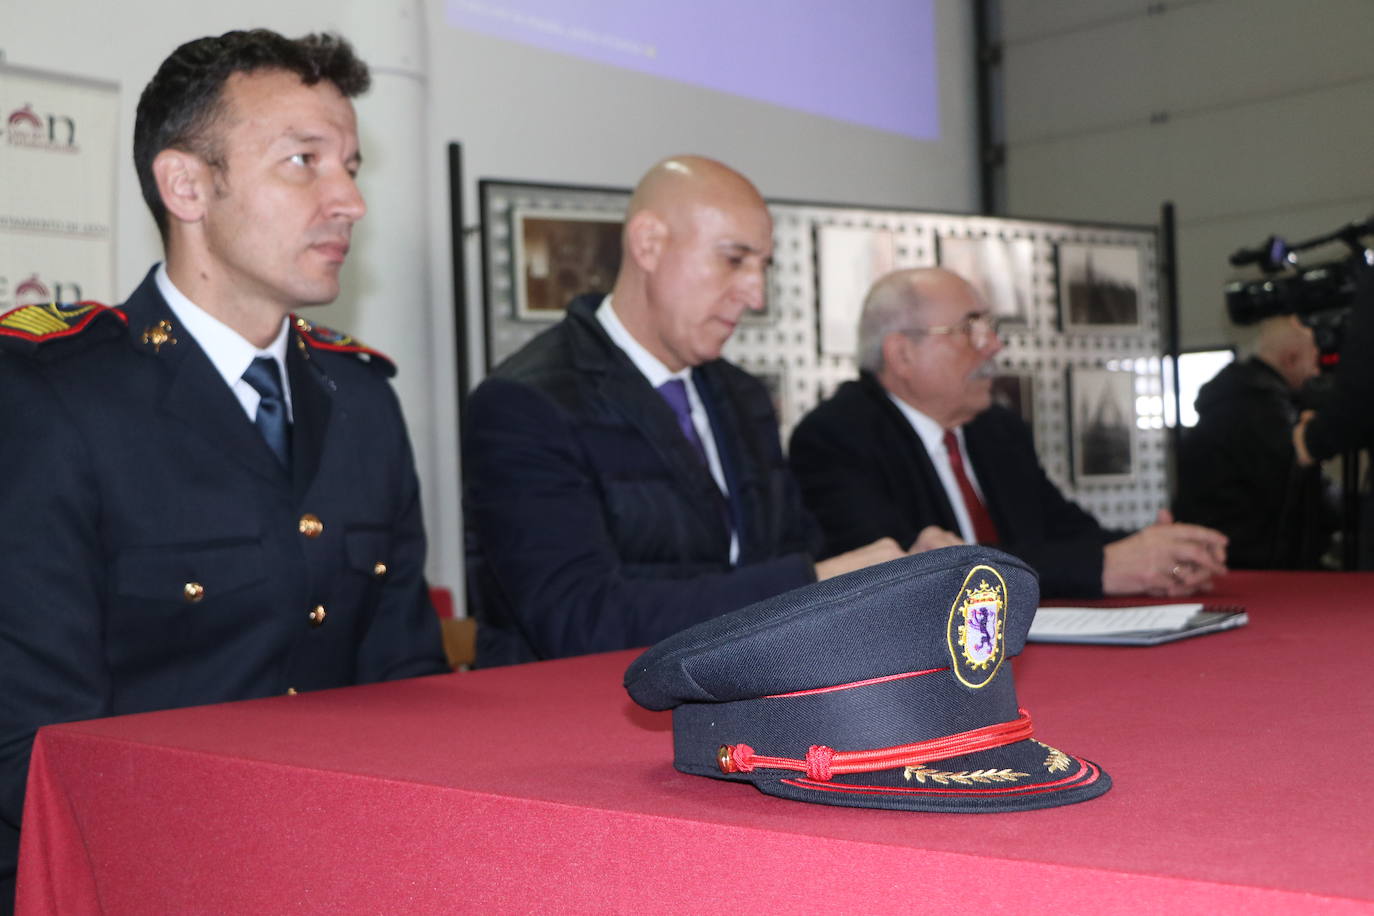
x=980, y=328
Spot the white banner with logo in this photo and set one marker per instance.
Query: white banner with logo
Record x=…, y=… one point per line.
x=57, y=187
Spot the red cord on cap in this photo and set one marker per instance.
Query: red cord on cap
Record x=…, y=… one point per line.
x=823, y=762
x=818, y=761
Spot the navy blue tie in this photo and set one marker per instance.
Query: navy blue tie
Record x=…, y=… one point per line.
x=265, y=378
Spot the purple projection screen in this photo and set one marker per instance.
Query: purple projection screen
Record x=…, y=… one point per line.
x=866, y=62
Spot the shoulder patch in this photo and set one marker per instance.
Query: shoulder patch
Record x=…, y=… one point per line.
x=317, y=336
x=29, y=327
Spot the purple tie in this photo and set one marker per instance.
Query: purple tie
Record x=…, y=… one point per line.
x=674, y=391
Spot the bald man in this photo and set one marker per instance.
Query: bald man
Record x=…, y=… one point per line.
x=623, y=481
x=916, y=441
x=1237, y=469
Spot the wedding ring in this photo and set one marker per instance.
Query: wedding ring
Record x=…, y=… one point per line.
x=1177, y=572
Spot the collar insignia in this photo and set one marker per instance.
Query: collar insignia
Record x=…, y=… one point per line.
x=159, y=334
x=317, y=336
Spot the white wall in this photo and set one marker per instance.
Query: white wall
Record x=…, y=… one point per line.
x=520, y=114
x=1253, y=116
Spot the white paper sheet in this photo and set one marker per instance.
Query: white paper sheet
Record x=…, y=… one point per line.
x=1052, y=622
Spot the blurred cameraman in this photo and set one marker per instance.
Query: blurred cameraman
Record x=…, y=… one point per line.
x=1345, y=421
x=1237, y=471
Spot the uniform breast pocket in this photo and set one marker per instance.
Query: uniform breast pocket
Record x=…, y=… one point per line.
x=157, y=581
x=368, y=551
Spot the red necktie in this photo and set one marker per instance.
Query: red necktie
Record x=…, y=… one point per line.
x=983, y=529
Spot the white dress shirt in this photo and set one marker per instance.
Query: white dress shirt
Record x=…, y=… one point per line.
x=932, y=436
x=229, y=352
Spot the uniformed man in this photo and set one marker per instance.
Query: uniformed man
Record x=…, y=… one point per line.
x=206, y=498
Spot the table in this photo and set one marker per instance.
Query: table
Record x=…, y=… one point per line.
x=1243, y=765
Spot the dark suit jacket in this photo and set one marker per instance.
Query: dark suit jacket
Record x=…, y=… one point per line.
x=592, y=523
x=130, y=469
x=1237, y=473
x=865, y=474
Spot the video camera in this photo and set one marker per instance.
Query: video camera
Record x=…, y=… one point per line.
x=1322, y=294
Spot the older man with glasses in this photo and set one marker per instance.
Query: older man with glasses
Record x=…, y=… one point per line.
x=916, y=441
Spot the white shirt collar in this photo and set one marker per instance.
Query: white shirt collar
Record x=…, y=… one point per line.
x=229, y=351
x=651, y=366
x=932, y=436
x=932, y=433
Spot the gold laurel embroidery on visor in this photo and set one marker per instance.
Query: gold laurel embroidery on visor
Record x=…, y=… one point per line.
x=962, y=777
x=1057, y=759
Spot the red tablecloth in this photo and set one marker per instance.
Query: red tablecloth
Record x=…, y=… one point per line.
x=1243, y=765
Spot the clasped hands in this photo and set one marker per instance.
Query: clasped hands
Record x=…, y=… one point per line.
x=1167, y=558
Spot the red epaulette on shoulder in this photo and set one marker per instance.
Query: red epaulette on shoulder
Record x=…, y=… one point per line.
x=29, y=327
x=317, y=335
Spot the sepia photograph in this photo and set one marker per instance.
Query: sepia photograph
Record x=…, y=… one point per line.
x=1017, y=394
x=848, y=260
x=1000, y=269
x=1099, y=286
x=561, y=254
x=1102, y=424
x=774, y=378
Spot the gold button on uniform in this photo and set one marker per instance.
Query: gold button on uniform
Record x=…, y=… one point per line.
x=193, y=591
x=379, y=568
x=317, y=615
x=291, y=691
x=310, y=525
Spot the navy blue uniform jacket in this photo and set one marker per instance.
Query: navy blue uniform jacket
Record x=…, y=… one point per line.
x=592, y=523
x=865, y=474
x=129, y=470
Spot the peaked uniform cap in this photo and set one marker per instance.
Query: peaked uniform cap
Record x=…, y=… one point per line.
x=889, y=687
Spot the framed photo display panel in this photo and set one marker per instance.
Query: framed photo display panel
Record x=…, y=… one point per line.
x=1016, y=392
x=1099, y=287
x=559, y=255
x=1001, y=269
x=774, y=378
x=848, y=261
x=550, y=226
x=825, y=257
x=1102, y=425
